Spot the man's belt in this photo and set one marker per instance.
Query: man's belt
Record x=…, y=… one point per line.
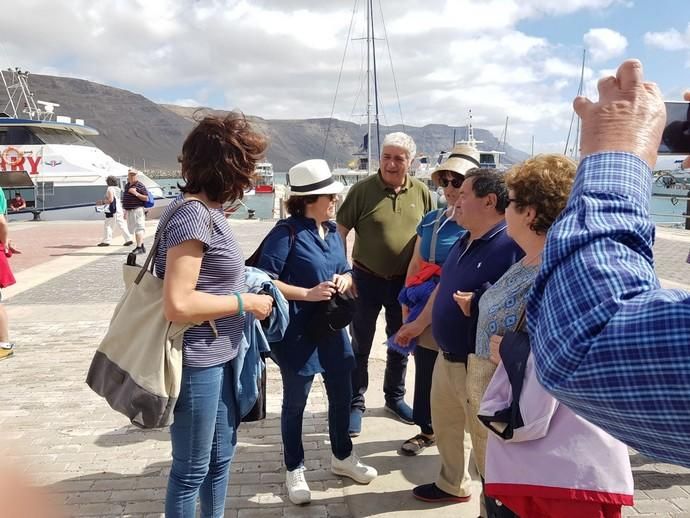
x=454, y=358
x=360, y=266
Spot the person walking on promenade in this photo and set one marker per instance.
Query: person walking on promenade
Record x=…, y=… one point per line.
x=480, y=256
x=204, y=279
x=133, y=199
x=113, y=213
x=436, y=234
x=551, y=462
x=607, y=340
x=6, y=347
x=384, y=210
x=306, y=257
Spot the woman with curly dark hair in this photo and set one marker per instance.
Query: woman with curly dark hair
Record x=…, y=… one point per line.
x=204, y=280
x=529, y=471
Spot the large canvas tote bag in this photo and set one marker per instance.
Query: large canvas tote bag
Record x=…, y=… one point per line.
x=137, y=367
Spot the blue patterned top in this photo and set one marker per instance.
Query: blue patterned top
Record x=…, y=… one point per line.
x=500, y=306
x=607, y=340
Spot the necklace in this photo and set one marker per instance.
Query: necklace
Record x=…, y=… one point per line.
x=532, y=260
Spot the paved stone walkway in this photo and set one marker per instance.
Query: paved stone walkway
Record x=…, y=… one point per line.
x=69, y=441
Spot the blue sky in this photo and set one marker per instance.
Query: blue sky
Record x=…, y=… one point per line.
x=281, y=58
x=666, y=67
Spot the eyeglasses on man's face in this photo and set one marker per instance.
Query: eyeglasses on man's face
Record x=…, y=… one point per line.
x=455, y=181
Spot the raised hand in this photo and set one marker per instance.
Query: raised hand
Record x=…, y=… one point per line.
x=629, y=116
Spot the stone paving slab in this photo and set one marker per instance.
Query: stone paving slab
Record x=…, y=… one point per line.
x=69, y=441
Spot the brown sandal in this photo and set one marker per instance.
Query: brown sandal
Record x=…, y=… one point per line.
x=416, y=445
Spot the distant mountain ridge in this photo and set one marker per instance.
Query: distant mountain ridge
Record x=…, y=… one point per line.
x=136, y=131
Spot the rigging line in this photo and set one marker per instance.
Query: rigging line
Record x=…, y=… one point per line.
x=580, y=89
x=340, y=74
x=354, y=115
x=390, y=59
x=376, y=82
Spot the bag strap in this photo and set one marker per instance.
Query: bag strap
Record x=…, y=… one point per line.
x=520, y=326
x=149, y=263
x=253, y=259
x=434, y=237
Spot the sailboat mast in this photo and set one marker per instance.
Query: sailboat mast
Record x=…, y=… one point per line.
x=505, y=135
x=369, y=14
x=376, y=84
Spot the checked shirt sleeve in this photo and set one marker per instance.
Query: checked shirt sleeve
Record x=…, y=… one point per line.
x=607, y=340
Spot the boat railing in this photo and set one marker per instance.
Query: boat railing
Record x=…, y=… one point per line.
x=684, y=217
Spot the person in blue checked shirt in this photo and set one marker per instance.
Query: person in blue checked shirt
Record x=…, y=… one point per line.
x=608, y=341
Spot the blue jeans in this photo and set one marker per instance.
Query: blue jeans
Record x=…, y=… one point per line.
x=295, y=391
x=203, y=437
x=373, y=294
x=424, y=360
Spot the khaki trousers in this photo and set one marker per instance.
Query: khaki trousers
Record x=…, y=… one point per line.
x=448, y=415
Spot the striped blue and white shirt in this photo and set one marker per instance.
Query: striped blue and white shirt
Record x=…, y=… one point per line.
x=222, y=273
x=607, y=340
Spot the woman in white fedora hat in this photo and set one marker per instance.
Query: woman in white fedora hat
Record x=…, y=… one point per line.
x=436, y=234
x=305, y=255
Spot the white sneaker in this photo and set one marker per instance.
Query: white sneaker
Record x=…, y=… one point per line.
x=298, y=489
x=352, y=467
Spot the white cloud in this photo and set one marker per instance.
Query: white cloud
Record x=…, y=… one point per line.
x=557, y=67
x=671, y=39
x=281, y=58
x=604, y=44
x=187, y=102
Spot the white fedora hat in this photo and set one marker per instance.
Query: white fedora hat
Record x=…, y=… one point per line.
x=461, y=159
x=312, y=177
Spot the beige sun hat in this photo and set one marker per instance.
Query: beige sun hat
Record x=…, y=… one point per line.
x=312, y=177
x=463, y=158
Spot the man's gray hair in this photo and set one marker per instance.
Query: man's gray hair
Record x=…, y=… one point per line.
x=403, y=140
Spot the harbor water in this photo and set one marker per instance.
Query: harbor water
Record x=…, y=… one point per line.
x=664, y=211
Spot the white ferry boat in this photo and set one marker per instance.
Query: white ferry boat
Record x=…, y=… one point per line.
x=49, y=158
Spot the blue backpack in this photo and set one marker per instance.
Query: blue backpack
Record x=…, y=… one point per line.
x=150, y=202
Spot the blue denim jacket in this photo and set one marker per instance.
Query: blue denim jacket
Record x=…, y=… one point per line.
x=248, y=365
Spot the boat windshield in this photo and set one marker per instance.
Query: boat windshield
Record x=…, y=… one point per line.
x=35, y=136
x=61, y=136
x=487, y=160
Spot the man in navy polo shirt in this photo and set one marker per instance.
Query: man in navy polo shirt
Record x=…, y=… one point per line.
x=481, y=256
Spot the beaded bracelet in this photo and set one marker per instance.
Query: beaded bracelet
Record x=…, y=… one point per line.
x=240, y=304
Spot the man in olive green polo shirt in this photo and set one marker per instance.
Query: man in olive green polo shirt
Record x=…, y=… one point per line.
x=384, y=209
